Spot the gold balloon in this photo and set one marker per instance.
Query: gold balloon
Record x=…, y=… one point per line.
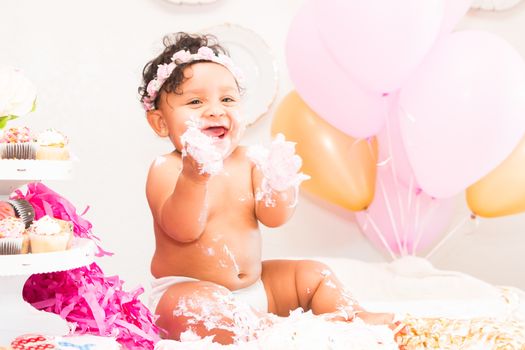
x=343, y=169
x=502, y=191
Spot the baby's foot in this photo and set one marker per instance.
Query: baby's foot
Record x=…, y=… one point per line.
x=388, y=319
x=375, y=318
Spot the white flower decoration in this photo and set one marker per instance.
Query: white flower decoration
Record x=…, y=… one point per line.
x=17, y=94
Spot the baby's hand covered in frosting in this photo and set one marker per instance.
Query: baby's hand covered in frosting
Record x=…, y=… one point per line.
x=279, y=166
x=202, y=149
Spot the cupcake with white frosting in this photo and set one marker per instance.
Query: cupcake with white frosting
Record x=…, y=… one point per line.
x=52, y=145
x=48, y=234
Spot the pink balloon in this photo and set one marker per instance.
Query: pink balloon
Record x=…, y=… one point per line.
x=463, y=112
x=408, y=221
x=379, y=42
x=454, y=10
x=327, y=89
x=392, y=151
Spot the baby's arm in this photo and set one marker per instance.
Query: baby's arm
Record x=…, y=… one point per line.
x=176, y=193
x=276, y=181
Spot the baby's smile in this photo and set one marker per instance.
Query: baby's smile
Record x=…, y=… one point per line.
x=215, y=131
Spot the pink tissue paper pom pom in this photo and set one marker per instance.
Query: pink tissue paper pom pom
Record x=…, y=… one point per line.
x=47, y=202
x=94, y=304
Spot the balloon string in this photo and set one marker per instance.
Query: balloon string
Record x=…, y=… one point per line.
x=383, y=162
x=391, y=216
x=420, y=229
x=380, y=235
x=446, y=238
x=416, y=221
x=410, y=195
x=396, y=185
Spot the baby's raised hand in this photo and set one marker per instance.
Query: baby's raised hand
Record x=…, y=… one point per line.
x=202, y=155
x=279, y=166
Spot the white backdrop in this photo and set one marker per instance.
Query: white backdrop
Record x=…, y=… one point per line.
x=86, y=59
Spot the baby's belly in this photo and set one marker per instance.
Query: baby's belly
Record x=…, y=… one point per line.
x=230, y=259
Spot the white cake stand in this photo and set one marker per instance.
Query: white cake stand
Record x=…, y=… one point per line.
x=15, y=173
x=18, y=316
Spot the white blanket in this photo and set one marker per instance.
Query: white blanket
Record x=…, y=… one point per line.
x=410, y=286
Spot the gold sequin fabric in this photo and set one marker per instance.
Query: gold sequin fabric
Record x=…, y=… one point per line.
x=465, y=334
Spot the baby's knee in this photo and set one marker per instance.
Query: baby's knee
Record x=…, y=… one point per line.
x=313, y=269
x=197, y=307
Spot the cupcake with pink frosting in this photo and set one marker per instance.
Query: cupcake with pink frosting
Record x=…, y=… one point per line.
x=13, y=239
x=17, y=143
x=48, y=234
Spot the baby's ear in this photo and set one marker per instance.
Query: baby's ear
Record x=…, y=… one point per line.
x=157, y=122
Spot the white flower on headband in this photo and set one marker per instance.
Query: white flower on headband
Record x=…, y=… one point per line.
x=180, y=57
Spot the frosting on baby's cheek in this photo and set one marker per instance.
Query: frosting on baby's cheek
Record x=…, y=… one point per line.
x=241, y=122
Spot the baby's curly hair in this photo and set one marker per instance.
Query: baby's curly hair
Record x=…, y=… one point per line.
x=173, y=43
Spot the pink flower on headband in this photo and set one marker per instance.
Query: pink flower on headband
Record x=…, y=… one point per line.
x=206, y=53
x=164, y=71
x=183, y=56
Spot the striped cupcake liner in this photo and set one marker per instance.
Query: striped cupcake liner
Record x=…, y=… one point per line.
x=25, y=150
x=23, y=210
x=11, y=246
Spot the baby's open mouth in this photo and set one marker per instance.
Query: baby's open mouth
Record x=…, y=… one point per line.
x=215, y=131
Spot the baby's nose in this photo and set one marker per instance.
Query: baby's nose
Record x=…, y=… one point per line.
x=215, y=111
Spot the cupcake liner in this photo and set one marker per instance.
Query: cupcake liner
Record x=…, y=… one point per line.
x=11, y=245
x=23, y=210
x=52, y=153
x=24, y=150
x=51, y=243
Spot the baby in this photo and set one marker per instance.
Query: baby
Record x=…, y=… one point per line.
x=207, y=198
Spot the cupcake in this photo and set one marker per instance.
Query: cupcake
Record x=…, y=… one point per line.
x=13, y=239
x=52, y=145
x=48, y=234
x=23, y=210
x=6, y=210
x=17, y=143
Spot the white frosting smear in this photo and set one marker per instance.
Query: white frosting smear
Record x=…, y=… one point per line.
x=280, y=167
x=300, y=331
x=202, y=148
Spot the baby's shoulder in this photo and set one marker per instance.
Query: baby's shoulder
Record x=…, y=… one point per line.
x=166, y=163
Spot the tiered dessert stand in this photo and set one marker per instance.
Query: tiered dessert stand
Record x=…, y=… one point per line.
x=16, y=315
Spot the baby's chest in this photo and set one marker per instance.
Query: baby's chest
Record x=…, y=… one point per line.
x=232, y=189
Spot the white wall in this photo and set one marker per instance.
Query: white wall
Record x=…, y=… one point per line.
x=86, y=58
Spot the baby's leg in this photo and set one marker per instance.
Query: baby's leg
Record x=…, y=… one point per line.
x=313, y=286
x=206, y=309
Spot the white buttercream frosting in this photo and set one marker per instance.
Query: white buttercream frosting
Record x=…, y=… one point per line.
x=46, y=226
x=279, y=165
x=52, y=137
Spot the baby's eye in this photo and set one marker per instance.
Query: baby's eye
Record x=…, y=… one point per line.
x=195, y=101
x=228, y=99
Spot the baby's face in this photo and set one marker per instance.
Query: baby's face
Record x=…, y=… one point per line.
x=210, y=100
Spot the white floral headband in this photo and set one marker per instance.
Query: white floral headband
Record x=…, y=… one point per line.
x=183, y=56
